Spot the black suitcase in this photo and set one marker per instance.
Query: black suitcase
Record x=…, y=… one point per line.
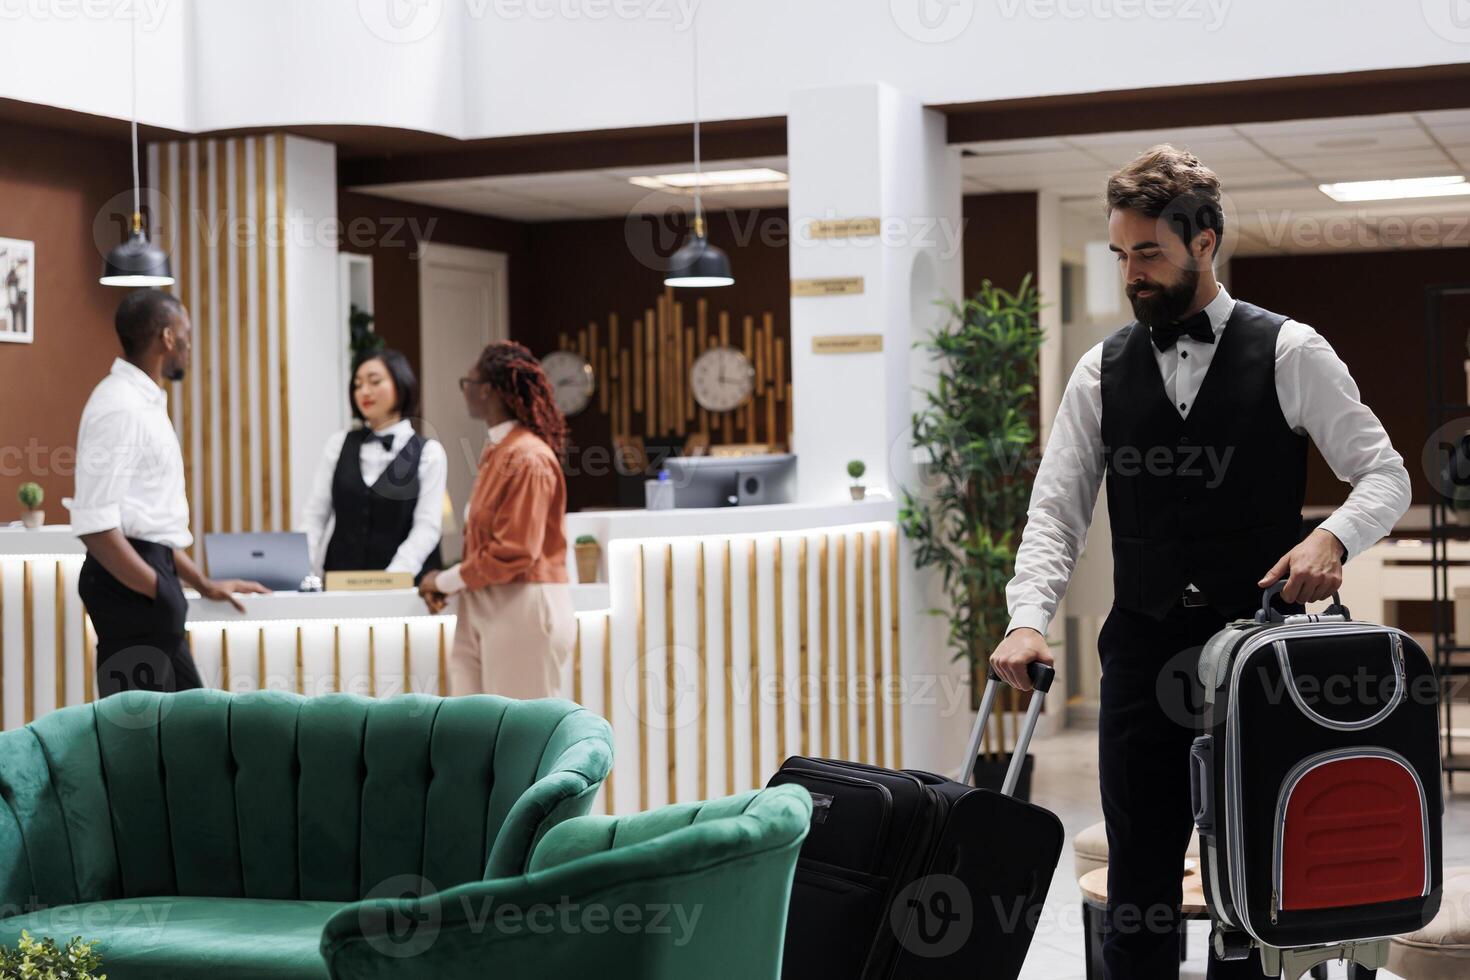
x=1317, y=789
x=909, y=875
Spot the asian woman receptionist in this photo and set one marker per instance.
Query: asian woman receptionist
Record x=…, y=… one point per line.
x=378, y=498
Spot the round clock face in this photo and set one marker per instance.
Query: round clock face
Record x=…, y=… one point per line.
x=572, y=380
x=722, y=379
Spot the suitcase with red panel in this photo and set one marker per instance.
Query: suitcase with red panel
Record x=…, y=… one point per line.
x=1317, y=789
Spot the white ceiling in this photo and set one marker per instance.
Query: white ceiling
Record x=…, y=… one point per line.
x=1270, y=172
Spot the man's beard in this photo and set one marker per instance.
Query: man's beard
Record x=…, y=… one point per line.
x=175, y=372
x=1168, y=303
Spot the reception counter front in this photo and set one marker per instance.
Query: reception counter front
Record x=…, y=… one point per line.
x=719, y=642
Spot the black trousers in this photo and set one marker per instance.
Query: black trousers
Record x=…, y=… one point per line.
x=141, y=642
x=1151, y=707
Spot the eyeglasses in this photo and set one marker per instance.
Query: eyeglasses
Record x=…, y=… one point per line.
x=464, y=383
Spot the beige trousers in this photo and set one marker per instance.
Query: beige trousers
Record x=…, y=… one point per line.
x=513, y=640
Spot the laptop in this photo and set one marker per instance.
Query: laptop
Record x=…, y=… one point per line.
x=277, y=560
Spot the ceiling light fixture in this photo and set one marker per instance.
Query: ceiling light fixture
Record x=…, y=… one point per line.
x=137, y=261
x=752, y=179
x=1396, y=190
x=698, y=263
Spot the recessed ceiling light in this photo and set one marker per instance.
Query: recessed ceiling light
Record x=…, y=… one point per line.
x=1393, y=190
x=756, y=178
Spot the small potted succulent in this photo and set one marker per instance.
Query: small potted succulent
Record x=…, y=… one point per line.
x=856, y=469
x=589, y=557
x=31, y=496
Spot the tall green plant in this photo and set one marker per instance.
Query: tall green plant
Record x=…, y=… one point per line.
x=976, y=433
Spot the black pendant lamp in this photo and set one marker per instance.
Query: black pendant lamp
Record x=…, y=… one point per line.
x=698, y=263
x=137, y=261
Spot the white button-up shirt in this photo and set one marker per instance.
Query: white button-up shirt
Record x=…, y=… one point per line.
x=372, y=459
x=130, y=470
x=1318, y=398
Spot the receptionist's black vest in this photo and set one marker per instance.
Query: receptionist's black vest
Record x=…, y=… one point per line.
x=372, y=521
x=1213, y=499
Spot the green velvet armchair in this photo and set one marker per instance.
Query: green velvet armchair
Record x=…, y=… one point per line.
x=205, y=834
x=692, y=890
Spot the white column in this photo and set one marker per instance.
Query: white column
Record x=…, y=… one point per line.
x=869, y=151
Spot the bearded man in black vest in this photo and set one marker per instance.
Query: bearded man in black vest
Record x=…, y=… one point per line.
x=1197, y=415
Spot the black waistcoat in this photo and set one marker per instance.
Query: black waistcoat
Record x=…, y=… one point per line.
x=372, y=521
x=1213, y=499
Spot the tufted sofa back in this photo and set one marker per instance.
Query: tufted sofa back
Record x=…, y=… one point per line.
x=272, y=795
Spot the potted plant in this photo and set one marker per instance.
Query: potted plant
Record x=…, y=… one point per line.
x=589, y=557
x=856, y=469
x=976, y=435
x=78, y=961
x=31, y=496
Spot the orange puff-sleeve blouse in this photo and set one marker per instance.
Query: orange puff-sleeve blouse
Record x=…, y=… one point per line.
x=514, y=530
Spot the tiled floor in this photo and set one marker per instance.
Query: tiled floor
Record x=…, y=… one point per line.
x=1065, y=782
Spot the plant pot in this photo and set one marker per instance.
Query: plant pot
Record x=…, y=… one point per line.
x=990, y=773
x=589, y=556
x=33, y=519
x=858, y=492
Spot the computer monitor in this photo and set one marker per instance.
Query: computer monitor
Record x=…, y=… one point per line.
x=277, y=560
x=722, y=481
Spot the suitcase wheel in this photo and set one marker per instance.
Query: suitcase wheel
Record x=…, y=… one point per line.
x=1230, y=945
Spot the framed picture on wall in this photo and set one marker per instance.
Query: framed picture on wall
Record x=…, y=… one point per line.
x=17, y=291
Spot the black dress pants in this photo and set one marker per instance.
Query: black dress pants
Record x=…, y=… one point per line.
x=141, y=642
x=1151, y=707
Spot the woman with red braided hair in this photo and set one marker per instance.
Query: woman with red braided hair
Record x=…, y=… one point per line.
x=516, y=626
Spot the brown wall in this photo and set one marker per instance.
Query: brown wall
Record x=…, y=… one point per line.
x=564, y=274
x=1370, y=308
x=999, y=239
x=52, y=185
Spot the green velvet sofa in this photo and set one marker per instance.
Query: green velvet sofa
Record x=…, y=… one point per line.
x=208, y=835
x=688, y=891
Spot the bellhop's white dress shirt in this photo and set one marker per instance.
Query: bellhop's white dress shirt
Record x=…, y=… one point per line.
x=373, y=458
x=130, y=469
x=1318, y=398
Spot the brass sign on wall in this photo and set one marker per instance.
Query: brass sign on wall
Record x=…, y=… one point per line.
x=835, y=286
x=849, y=343
x=844, y=228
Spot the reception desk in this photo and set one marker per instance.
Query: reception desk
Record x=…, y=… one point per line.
x=718, y=643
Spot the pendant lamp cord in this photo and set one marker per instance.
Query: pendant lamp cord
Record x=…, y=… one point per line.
x=133, y=56
x=698, y=176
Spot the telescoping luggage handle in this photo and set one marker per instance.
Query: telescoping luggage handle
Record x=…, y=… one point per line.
x=1041, y=677
x=1268, y=615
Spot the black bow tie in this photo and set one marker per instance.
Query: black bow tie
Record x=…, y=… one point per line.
x=386, y=441
x=1196, y=327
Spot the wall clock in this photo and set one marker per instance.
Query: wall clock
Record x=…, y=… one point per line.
x=722, y=379
x=572, y=380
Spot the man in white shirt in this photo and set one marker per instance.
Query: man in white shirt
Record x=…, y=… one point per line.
x=1198, y=415
x=130, y=508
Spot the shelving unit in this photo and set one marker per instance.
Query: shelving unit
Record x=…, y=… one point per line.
x=1451, y=653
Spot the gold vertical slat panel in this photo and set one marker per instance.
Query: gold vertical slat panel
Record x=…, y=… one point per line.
x=336, y=658
x=637, y=375
x=443, y=662
x=880, y=746
x=183, y=258
x=577, y=664
x=407, y=660
x=844, y=688
x=300, y=664
x=753, y=601
x=224, y=658
x=640, y=667
x=262, y=340
x=282, y=368
x=824, y=657
x=607, y=693
x=803, y=647
x=372, y=662
x=777, y=614
x=260, y=670
x=729, y=624
x=28, y=641
x=60, y=601
x=203, y=317
x=702, y=654
x=671, y=692
x=242, y=326
x=228, y=459
x=894, y=671
x=860, y=645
